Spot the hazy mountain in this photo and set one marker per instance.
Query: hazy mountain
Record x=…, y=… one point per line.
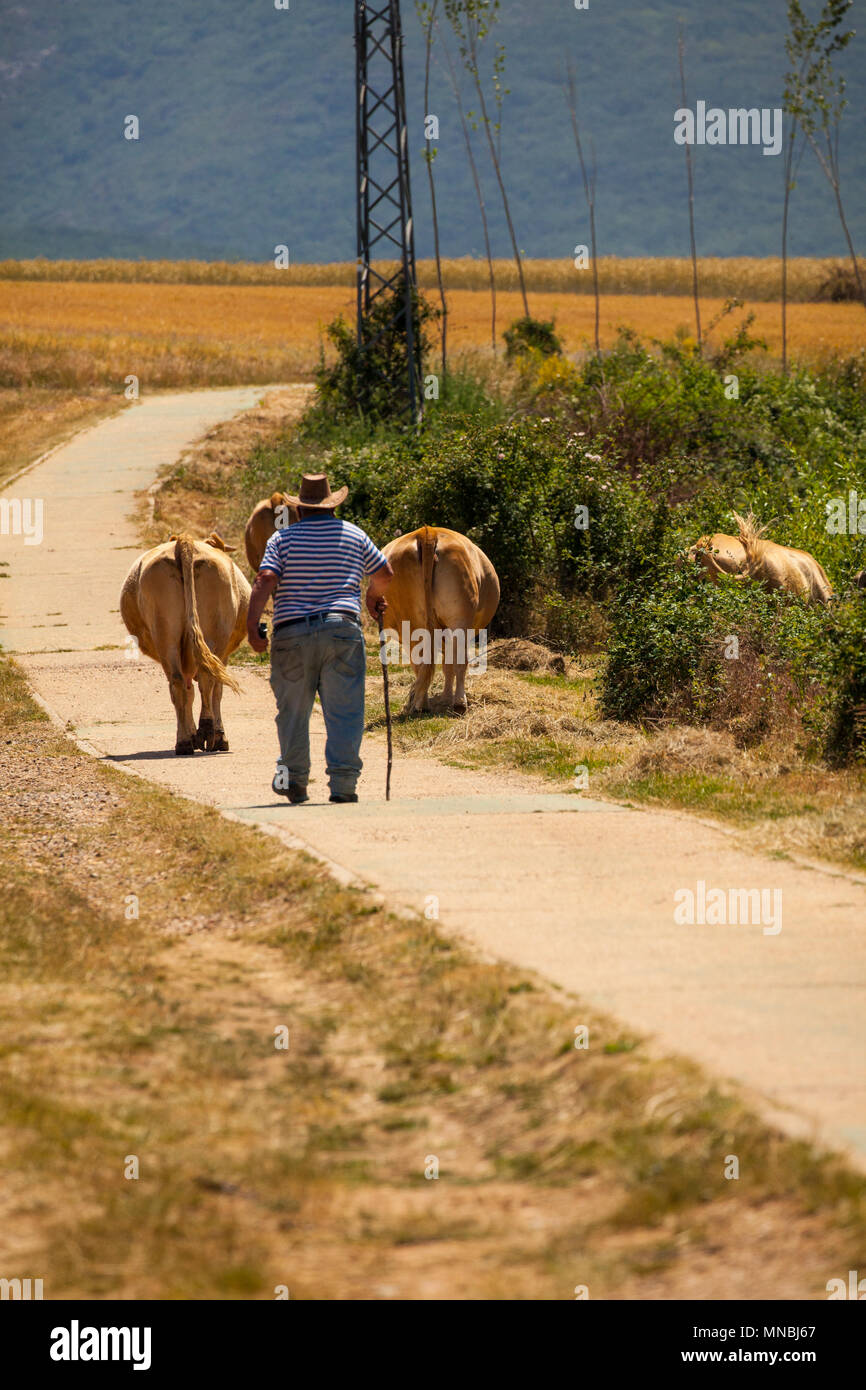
x=247, y=130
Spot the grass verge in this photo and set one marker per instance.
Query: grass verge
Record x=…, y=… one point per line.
x=157, y=1143
x=547, y=725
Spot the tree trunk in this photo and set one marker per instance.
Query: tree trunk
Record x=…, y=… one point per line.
x=428, y=154
x=788, y=171
x=595, y=276
x=498, y=171
x=479, y=193
x=681, y=50
x=854, y=262
x=589, y=194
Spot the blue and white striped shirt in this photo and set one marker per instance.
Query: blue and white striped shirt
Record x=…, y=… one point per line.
x=320, y=564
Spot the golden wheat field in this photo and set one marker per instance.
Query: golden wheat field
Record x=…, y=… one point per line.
x=746, y=277
x=83, y=332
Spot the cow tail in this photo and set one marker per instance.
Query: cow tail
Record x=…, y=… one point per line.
x=183, y=554
x=427, y=544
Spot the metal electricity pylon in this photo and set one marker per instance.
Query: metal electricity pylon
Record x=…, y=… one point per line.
x=385, y=230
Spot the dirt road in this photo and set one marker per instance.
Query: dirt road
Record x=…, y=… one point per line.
x=580, y=890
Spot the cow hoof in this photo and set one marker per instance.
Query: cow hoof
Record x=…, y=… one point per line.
x=220, y=743
x=204, y=734
x=185, y=749
x=459, y=707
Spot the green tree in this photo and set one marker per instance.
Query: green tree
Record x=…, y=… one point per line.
x=479, y=192
x=815, y=94
x=472, y=22
x=681, y=54
x=426, y=10
x=794, y=148
x=369, y=380
x=589, y=193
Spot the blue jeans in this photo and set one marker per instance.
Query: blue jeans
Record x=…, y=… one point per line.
x=322, y=656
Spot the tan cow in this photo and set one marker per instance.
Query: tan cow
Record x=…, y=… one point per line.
x=718, y=554
x=444, y=588
x=185, y=602
x=262, y=525
x=781, y=566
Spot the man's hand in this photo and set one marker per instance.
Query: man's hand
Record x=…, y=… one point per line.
x=266, y=582
x=379, y=582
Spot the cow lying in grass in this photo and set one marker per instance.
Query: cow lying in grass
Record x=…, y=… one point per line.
x=718, y=554
x=781, y=566
x=444, y=592
x=185, y=602
x=263, y=523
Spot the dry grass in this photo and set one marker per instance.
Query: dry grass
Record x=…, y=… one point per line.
x=720, y=276
x=545, y=722
x=154, y=1037
x=35, y=419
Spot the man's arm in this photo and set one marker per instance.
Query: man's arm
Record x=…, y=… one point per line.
x=379, y=581
x=266, y=582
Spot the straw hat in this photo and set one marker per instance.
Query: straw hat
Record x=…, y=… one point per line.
x=316, y=493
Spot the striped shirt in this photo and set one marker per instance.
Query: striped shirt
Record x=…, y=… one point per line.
x=320, y=564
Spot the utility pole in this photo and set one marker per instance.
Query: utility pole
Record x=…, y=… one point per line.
x=384, y=203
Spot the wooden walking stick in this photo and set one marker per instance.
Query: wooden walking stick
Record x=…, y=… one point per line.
x=382, y=658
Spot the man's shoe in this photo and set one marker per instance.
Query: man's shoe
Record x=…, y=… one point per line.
x=346, y=796
x=296, y=792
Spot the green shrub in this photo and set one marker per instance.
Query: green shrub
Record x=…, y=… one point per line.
x=840, y=666
x=371, y=382
x=649, y=443
x=796, y=666
x=528, y=336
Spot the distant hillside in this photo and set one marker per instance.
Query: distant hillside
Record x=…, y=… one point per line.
x=247, y=131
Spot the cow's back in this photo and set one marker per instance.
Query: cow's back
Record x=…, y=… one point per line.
x=153, y=608
x=785, y=567
x=151, y=603
x=815, y=577
x=405, y=594
x=464, y=586
x=223, y=597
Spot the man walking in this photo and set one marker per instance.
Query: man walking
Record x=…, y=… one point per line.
x=314, y=571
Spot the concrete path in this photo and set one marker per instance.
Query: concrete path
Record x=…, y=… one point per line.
x=579, y=890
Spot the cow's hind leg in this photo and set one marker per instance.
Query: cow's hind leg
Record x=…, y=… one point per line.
x=455, y=658
x=220, y=742
x=455, y=685
x=448, y=669
x=181, y=698
x=204, y=737
x=417, y=701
